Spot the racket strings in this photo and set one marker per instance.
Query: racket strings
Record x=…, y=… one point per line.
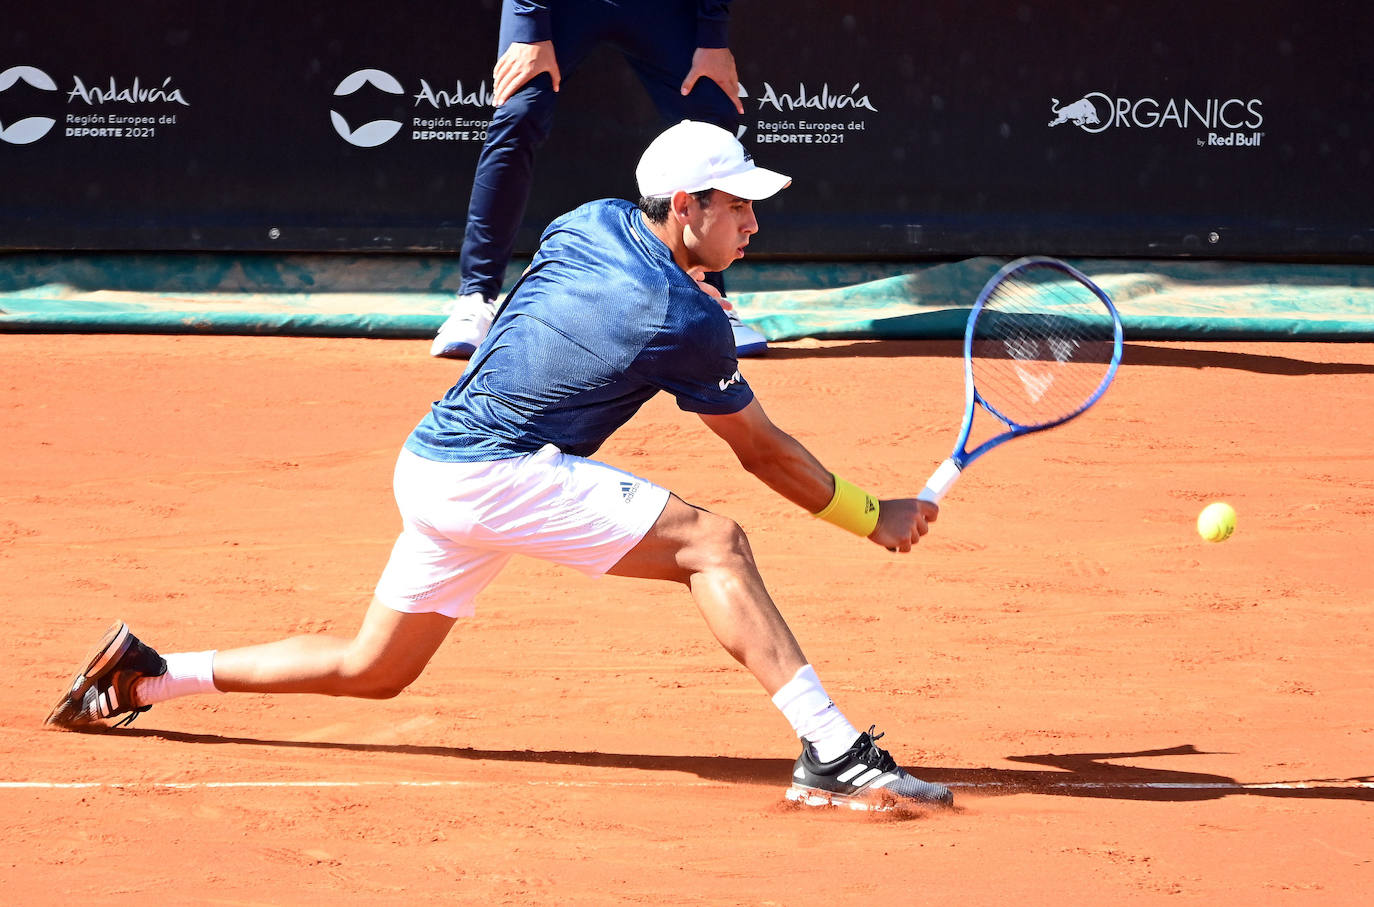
x=1041, y=348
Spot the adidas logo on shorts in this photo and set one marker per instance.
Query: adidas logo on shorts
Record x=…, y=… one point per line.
x=628, y=490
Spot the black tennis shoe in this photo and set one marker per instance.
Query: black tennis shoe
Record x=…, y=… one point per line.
x=103, y=686
x=866, y=777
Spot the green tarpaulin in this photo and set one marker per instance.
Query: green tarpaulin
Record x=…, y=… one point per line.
x=406, y=296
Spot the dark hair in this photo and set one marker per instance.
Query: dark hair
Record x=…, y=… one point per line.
x=656, y=209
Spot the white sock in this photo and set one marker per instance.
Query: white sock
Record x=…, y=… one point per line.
x=187, y=673
x=813, y=715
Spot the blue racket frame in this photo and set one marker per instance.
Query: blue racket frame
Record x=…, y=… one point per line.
x=948, y=472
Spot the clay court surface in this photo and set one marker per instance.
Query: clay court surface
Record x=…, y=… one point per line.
x=1127, y=715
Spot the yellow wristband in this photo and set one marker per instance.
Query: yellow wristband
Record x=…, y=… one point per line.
x=851, y=508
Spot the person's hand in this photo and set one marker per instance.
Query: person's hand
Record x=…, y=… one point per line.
x=699, y=275
x=718, y=65
x=519, y=64
x=902, y=522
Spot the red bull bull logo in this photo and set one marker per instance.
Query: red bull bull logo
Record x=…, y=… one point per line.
x=1080, y=113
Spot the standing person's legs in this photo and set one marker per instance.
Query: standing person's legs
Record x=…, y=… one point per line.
x=500, y=192
x=505, y=167
x=504, y=176
x=496, y=206
x=501, y=185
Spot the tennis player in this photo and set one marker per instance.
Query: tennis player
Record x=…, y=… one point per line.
x=501, y=466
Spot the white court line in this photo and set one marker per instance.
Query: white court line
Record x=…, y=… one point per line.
x=1336, y=784
x=194, y=785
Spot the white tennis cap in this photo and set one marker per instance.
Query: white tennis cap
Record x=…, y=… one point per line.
x=692, y=156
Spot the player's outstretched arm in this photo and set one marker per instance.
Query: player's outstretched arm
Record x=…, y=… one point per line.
x=782, y=463
x=775, y=457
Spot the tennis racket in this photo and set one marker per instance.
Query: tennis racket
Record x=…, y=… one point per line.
x=1042, y=345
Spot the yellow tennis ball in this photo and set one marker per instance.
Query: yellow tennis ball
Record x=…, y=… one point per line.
x=1216, y=522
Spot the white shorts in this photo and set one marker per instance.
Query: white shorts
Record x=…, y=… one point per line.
x=463, y=521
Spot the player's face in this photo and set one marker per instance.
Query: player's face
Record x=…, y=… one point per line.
x=716, y=233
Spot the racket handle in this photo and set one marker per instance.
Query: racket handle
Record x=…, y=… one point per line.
x=940, y=482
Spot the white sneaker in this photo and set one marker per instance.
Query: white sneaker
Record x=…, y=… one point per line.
x=748, y=342
x=469, y=320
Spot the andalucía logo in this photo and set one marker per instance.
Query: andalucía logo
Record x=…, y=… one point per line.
x=822, y=99
x=29, y=129
x=810, y=116
x=432, y=126
x=112, y=109
x=1222, y=118
x=374, y=133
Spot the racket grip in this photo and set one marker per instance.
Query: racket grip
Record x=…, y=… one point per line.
x=940, y=482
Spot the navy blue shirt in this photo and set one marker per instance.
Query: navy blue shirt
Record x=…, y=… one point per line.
x=603, y=320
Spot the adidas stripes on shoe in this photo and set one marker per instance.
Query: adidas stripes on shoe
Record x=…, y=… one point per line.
x=866, y=777
x=103, y=686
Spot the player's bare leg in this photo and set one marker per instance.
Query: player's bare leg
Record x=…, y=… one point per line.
x=122, y=676
x=838, y=765
x=388, y=652
x=710, y=555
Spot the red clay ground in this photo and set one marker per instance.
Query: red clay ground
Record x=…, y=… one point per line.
x=1107, y=693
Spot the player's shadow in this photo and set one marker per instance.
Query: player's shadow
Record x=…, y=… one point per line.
x=870, y=348
x=1184, y=357
x=1070, y=774
x=1133, y=354
x=1101, y=775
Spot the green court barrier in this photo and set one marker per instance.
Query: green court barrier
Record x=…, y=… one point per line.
x=407, y=296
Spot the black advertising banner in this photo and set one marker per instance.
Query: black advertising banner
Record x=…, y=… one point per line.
x=245, y=125
x=911, y=130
